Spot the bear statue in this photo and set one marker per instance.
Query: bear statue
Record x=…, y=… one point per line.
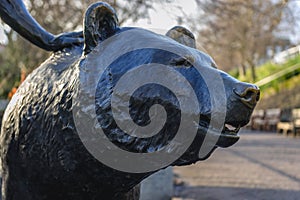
x=47, y=150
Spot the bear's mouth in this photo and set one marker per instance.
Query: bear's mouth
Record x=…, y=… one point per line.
x=229, y=134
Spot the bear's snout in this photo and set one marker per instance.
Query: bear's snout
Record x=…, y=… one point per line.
x=248, y=94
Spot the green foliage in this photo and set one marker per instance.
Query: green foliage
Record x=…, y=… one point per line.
x=234, y=72
x=271, y=93
x=267, y=69
x=284, y=83
x=9, y=79
x=283, y=94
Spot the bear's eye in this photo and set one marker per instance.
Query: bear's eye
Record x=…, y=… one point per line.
x=214, y=65
x=181, y=61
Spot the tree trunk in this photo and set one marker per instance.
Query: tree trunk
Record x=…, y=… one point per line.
x=253, y=73
x=242, y=71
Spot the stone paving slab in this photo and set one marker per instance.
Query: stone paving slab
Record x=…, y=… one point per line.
x=261, y=166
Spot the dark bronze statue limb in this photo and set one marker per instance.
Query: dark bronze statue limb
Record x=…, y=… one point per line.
x=15, y=14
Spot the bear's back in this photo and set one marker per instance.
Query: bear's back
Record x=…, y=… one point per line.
x=40, y=112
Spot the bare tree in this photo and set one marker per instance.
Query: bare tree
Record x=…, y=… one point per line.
x=239, y=32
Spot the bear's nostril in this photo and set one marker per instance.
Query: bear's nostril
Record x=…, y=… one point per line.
x=249, y=96
x=258, y=96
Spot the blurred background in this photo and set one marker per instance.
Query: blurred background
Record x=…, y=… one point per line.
x=245, y=37
x=256, y=41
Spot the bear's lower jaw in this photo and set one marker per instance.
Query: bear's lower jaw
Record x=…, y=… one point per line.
x=229, y=136
x=225, y=138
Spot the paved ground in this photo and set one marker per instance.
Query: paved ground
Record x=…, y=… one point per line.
x=261, y=166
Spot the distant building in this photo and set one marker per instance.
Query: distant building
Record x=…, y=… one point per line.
x=287, y=54
x=278, y=46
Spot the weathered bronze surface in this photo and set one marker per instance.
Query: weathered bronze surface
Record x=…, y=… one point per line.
x=42, y=155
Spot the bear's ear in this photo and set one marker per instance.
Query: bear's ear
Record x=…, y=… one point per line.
x=100, y=22
x=182, y=35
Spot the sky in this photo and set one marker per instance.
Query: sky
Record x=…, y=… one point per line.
x=161, y=19
x=2, y=35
